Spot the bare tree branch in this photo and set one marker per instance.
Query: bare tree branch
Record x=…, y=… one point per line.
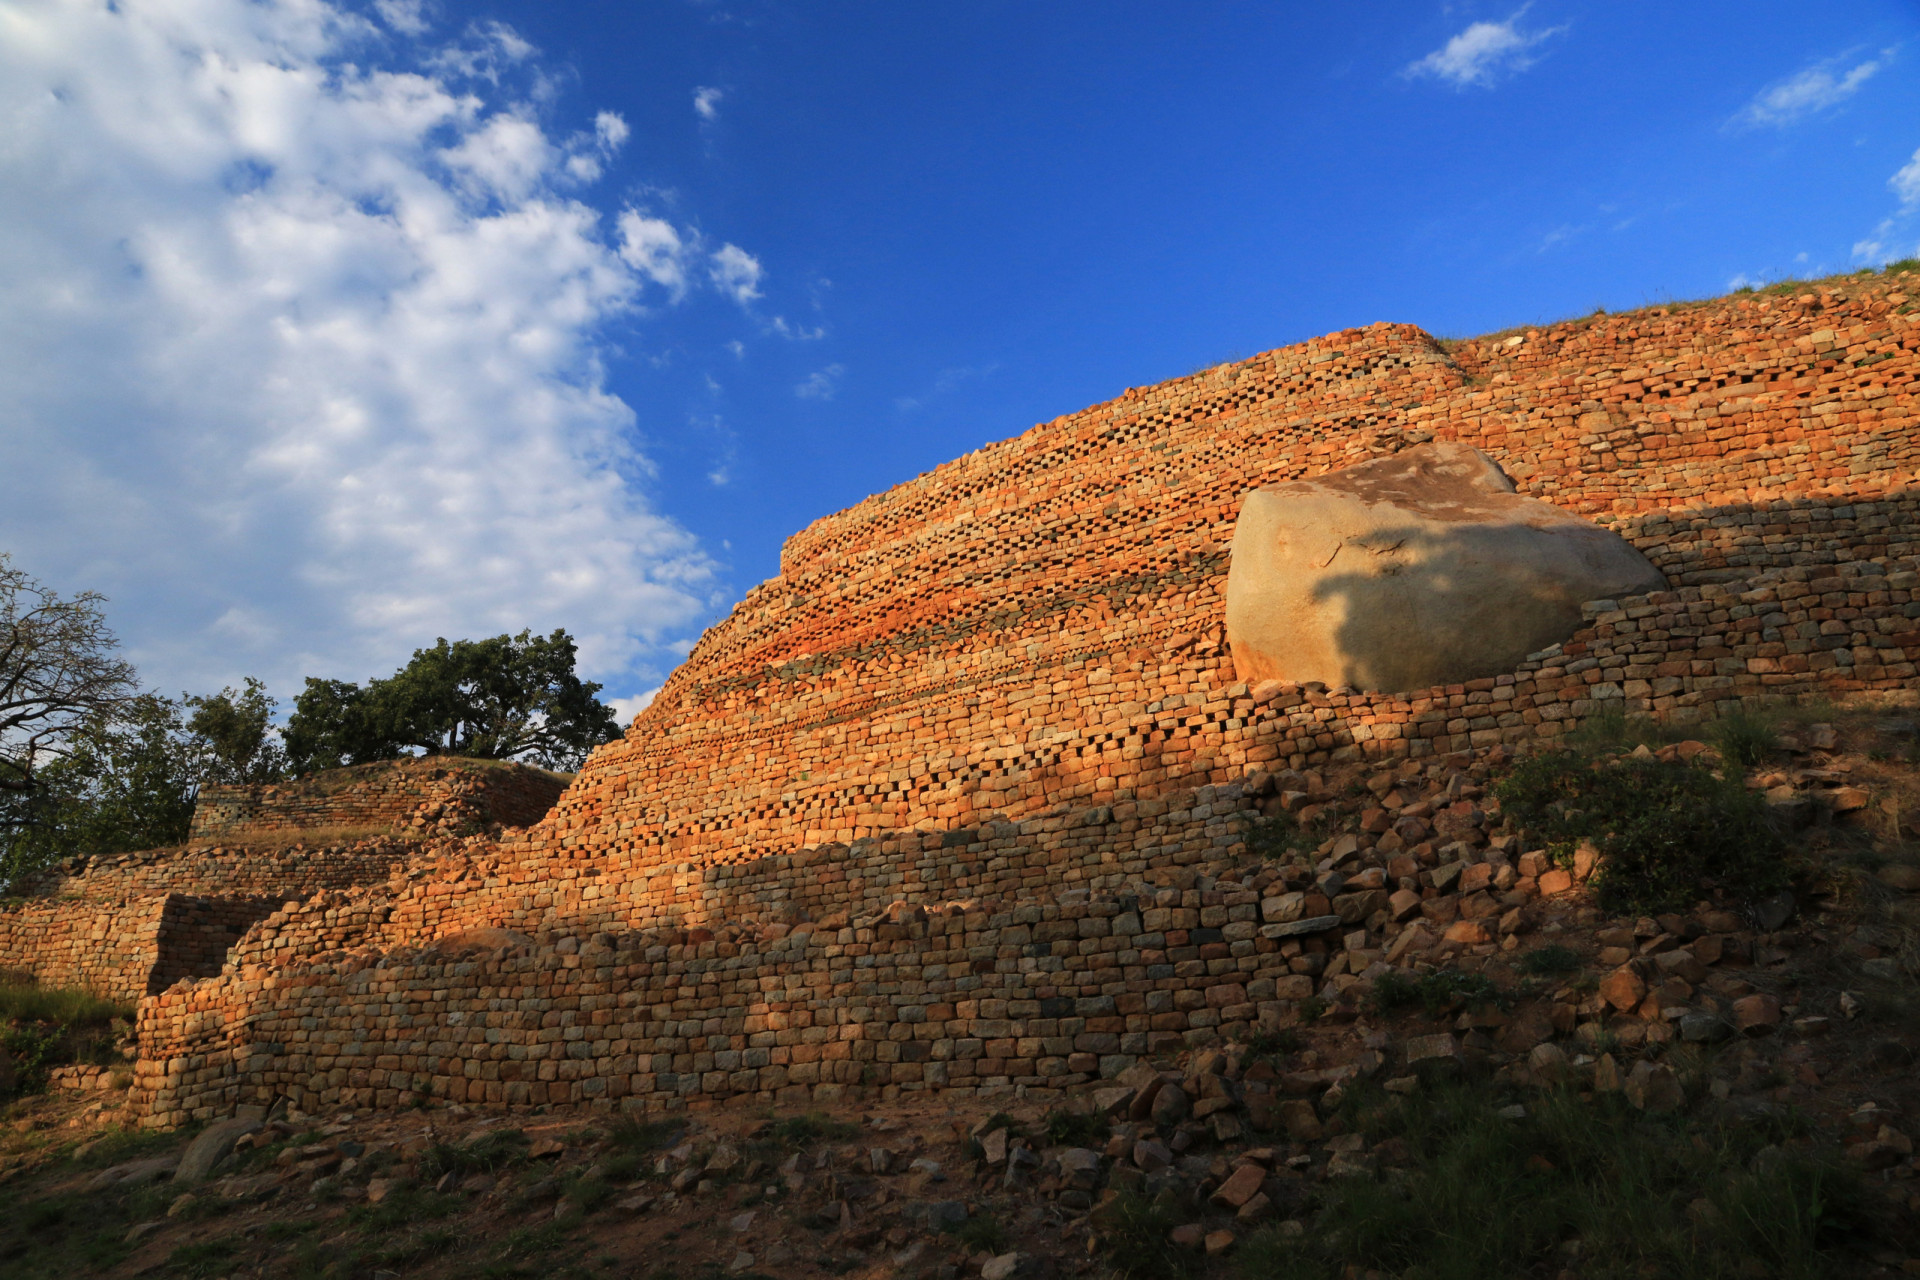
x=58, y=666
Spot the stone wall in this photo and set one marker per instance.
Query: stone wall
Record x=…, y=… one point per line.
x=127, y=949
x=436, y=793
x=129, y=924
x=104, y=947
x=280, y=871
x=1002, y=689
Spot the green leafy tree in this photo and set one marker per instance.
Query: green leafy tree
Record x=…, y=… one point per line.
x=234, y=732
x=508, y=697
x=126, y=779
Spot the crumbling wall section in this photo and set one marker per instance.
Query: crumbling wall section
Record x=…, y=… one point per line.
x=423, y=796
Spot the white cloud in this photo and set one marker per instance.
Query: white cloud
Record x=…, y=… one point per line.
x=408, y=17
x=706, y=102
x=796, y=332
x=1879, y=247
x=625, y=709
x=736, y=273
x=1906, y=182
x=822, y=384
x=300, y=350
x=656, y=249
x=1482, y=53
x=611, y=131
x=1816, y=89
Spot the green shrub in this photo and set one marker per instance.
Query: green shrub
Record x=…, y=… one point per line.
x=1666, y=831
x=1490, y=1196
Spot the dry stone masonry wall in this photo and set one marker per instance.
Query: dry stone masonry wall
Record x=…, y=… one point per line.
x=126, y=925
x=960, y=798
x=435, y=793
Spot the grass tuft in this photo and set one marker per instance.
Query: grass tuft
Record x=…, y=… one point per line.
x=483, y=1155
x=1133, y=1232
x=1548, y=960
x=1744, y=738
x=62, y=1006
x=982, y=1233
x=812, y=1128
x=1436, y=993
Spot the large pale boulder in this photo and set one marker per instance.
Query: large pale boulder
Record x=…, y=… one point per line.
x=1421, y=569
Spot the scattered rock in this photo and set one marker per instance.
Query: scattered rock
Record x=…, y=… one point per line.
x=209, y=1148
x=1005, y=1267
x=1904, y=876
x=1241, y=1186
x=1771, y=914
x=1624, y=989
x=1170, y=1106
x=1757, y=1014
x=134, y=1173
x=1654, y=1087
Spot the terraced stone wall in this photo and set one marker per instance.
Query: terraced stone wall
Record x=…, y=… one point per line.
x=982, y=686
x=432, y=793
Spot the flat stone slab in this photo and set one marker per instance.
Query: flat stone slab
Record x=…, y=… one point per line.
x=1295, y=928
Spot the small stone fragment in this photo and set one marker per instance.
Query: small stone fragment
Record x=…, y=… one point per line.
x=1757, y=1014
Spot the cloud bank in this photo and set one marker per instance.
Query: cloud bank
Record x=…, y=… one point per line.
x=300, y=341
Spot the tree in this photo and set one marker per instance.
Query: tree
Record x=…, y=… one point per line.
x=508, y=697
x=234, y=732
x=58, y=672
x=126, y=779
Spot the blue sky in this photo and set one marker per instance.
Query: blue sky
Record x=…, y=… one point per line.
x=331, y=328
